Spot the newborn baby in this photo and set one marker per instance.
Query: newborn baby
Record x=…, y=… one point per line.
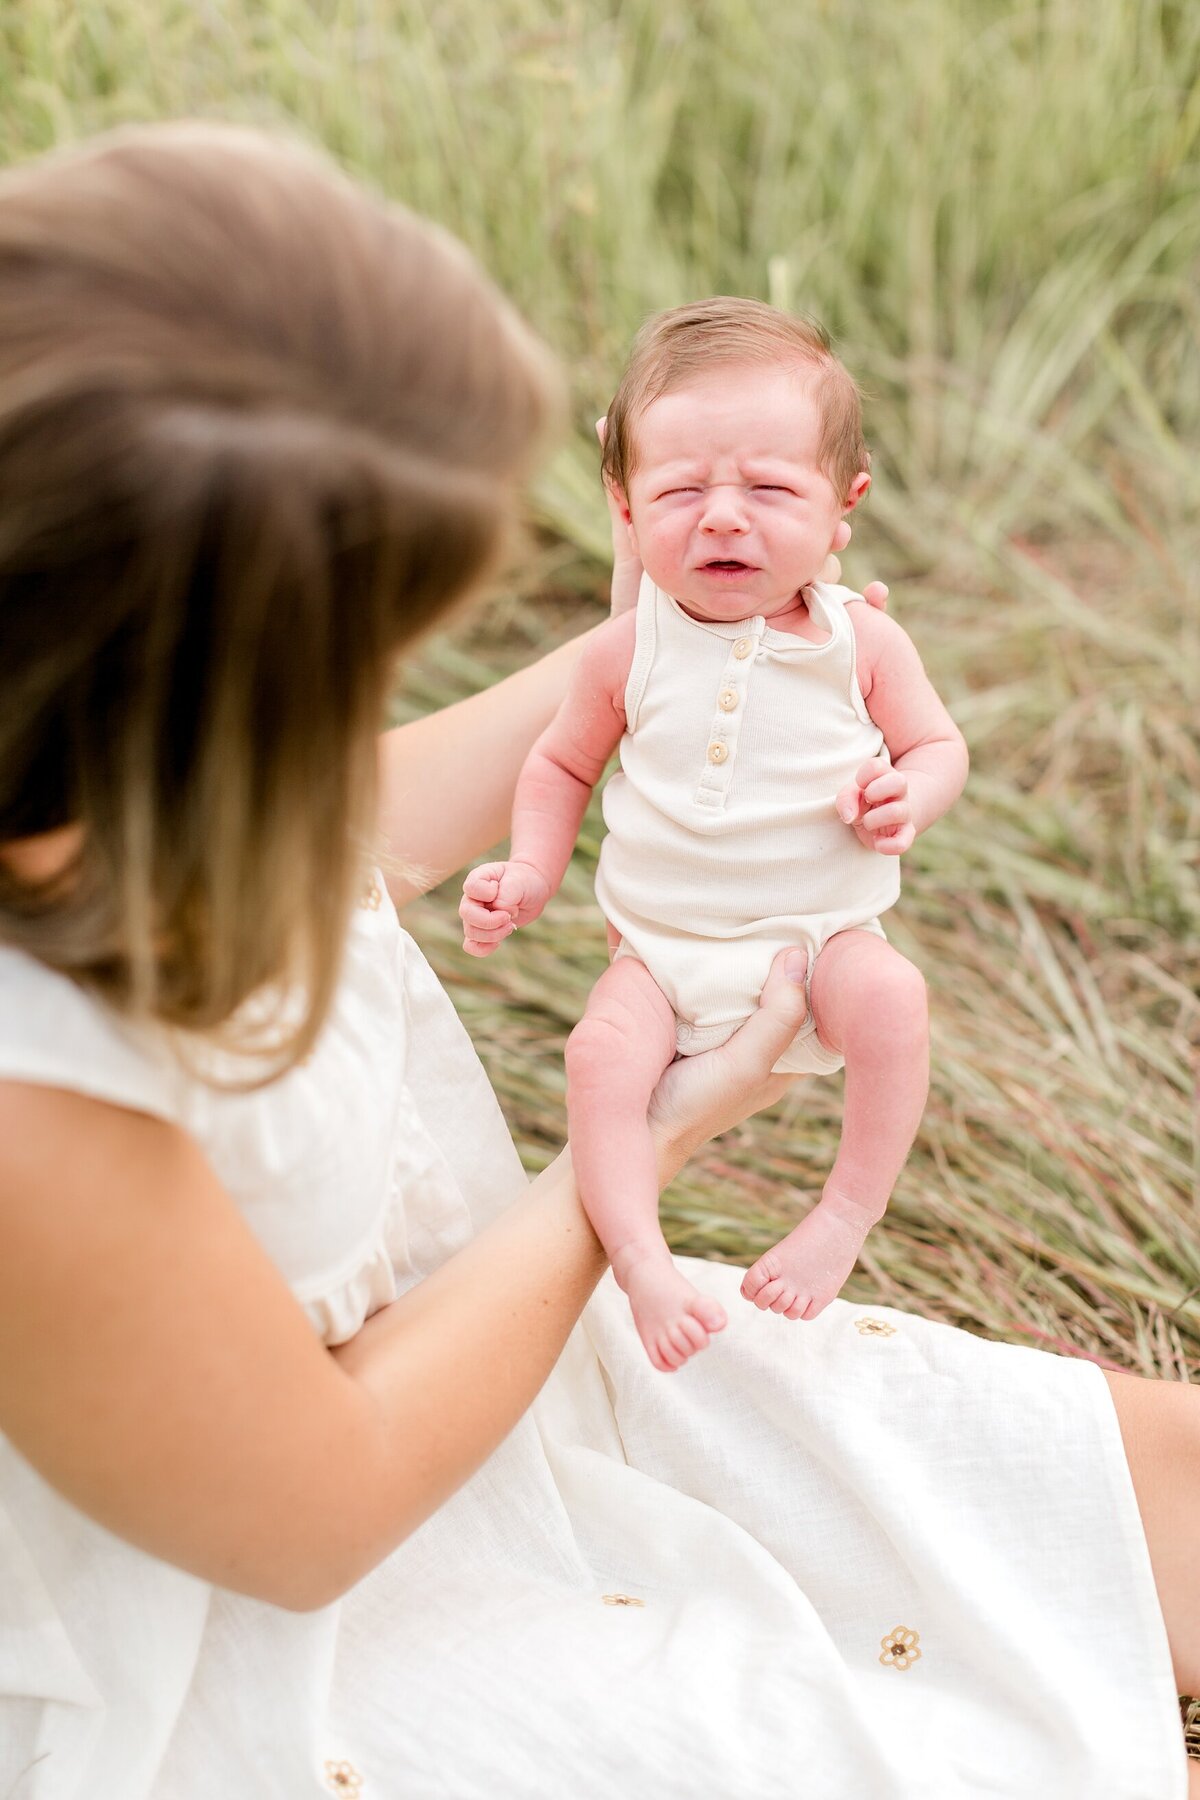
x=781, y=747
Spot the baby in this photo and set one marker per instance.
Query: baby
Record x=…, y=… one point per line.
x=781, y=747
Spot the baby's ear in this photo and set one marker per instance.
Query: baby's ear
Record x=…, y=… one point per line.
x=617, y=501
x=858, y=490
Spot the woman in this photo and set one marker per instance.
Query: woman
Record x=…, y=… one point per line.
x=288, y=1505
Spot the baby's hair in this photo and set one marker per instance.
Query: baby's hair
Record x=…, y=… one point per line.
x=674, y=347
x=258, y=429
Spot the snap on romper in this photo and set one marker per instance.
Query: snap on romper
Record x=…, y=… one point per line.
x=724, y=845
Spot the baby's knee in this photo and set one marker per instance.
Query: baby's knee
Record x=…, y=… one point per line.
x=902, y=990
x=596, y=1043
x=889, y=1003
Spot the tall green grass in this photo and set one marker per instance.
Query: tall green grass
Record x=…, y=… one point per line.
x=995, y=207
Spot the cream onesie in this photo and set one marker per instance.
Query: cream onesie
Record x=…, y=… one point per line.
x=724, y=845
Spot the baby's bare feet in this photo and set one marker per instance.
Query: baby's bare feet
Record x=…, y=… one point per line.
x=673, y=1319
x=803, y=1273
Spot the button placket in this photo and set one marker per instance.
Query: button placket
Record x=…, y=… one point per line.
x=721, y=750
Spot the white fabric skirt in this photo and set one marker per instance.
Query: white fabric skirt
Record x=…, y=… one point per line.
x=866, y=1558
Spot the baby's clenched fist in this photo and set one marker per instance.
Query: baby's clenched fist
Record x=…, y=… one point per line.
x=877, y=805
x=497, y=898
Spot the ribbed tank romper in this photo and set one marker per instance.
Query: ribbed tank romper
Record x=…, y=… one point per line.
x=724, y=845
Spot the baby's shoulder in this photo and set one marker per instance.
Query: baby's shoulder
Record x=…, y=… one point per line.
x=877, y=637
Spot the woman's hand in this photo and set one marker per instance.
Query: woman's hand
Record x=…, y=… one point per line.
x=698, y=1097
x=831, y=569
x=627, y=564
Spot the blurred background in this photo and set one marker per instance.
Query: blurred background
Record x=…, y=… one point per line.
x=995, y=209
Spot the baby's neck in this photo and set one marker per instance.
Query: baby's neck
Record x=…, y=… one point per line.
x=789, y=615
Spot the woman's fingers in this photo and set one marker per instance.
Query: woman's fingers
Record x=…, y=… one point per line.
x=752, y=1052
x=875, y=592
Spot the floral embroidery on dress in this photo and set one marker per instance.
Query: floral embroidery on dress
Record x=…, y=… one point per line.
x=372, y=898
x=900, y=1648
x=621, y=1600
x=874, y=1328
x=343, y=1778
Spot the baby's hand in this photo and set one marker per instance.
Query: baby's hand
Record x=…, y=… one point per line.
x=497, y=897
x=876, y=804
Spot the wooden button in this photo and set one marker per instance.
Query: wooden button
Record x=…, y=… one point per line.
x=717, y=752
x=728, y=699
x=742, y=649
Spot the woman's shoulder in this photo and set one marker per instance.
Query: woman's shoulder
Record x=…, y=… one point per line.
x=54, y=1033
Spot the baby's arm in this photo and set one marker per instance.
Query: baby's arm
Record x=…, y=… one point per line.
x=553, y=789
x=890, y=806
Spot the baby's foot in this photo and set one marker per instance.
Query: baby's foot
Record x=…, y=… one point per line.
x=673, y=1319
x=803, y=1273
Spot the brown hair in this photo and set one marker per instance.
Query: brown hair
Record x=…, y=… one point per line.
x=258, y=428
x=675, y=346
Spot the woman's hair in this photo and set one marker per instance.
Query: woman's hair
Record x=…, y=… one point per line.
x=258, y=429
x=676, y=347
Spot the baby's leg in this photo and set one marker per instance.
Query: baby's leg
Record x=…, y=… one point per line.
x=869, y=1003
x=615, y=1056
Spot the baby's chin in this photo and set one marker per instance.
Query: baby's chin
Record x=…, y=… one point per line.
x=734, y=601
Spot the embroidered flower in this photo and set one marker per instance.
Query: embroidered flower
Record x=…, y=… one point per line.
x=621, y=1600
x=342, y=1778
x=372, y=898
x=900, y=1648
x=874, y=1328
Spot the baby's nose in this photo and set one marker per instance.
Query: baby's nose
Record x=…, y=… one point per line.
x=723, y=511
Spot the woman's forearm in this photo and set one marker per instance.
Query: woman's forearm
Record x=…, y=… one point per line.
x=450, y=1367
x=447, y=781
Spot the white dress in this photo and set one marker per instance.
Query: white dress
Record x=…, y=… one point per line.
x=867, y=1558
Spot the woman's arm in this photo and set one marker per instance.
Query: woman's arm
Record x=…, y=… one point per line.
x=157, y=1371
x=446, y=782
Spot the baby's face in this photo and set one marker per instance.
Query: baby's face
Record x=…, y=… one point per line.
x=727, y=508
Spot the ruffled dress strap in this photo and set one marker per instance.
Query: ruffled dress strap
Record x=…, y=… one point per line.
x=56, y=1034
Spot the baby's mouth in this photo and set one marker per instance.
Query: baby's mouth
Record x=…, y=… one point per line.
x=725, y=565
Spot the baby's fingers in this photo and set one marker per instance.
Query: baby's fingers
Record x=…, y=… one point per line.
x=896, y=840
x=849, y=804
x=872, y=770
x=483, y=921
x=483, y=883
x=896, y=812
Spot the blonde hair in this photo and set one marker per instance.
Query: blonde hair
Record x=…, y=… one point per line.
x=674, y=347
x=258, y=429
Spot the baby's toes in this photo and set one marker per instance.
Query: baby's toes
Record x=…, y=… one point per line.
x=785, y=1299
x=799, y=1304
x=755, y=1278
x=670, y=1357
x=767, y=1294
x=687, y=1336
x=709, y=1313
x=816, y=1306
